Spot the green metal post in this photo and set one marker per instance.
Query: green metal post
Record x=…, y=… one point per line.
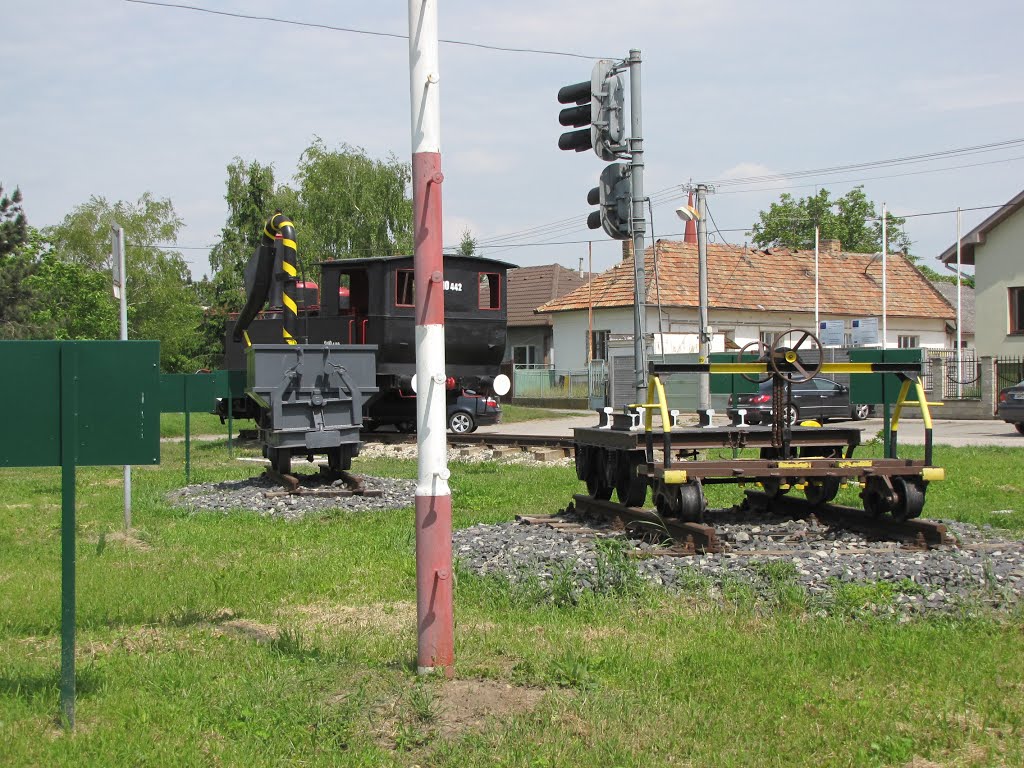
x=231, y=428
x=68, y=457
x=188, y=437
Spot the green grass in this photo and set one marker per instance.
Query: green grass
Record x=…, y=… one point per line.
x=511, y=414
x=173, y=425
x=233, y=639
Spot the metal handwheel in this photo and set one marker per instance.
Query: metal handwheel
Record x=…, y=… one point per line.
x=786, y=360
x=763, y=355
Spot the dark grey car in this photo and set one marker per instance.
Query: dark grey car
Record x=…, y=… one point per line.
x=820, y=399
x=1010, y=405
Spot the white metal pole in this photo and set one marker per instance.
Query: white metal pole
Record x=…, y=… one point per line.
x=120, y=288
x=817, y=326
x=959, y=314
x=885, y=295
x=703, y=379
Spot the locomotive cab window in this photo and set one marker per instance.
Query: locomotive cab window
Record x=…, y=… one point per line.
x=405, y=293
x=490, y=290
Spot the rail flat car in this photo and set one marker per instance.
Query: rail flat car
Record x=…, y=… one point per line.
x=628, y=455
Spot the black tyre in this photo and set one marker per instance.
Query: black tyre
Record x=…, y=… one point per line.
x=1019, y=426
x=461, y=423
x=859, y=412
x=406, y=427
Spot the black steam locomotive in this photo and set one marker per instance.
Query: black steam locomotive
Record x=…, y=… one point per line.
x=370, y=301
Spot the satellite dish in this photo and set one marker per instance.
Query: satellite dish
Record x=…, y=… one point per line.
x=502, y=384
x=413, y=382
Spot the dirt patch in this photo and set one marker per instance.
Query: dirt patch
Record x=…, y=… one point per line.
x=128, y=540
x=247, y=630
x=467, y=704
x=381, y=617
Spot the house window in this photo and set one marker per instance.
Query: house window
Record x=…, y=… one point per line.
x=767, y=337
x=490, y=291
x=908, y=342
x=599, y=345
x=524, y=355
x=405, y=293
x=847, y=339
x=1016, y=310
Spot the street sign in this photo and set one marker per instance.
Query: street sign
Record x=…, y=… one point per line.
x=114, y=385
x=831, y=333
x=73, y=403
x=865, y=331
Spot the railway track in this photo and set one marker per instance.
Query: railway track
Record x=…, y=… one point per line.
x=692, y=538
x=560, y=442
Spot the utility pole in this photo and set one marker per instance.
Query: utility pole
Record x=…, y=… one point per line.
x=703, y=379
x=959, y=318
x=639, y=226
x=885, y=295
x=434, y=620
x=817, y=326
x=120, y=291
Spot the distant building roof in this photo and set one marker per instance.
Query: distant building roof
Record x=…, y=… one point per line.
x=977, y=235
x=776, y=279
x=529, y=287
x=948, y=291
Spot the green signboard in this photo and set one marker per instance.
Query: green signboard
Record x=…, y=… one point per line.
x=199, y=390
x=733, y=383
x=111, y=387
x=882, y=388
x=72, y=403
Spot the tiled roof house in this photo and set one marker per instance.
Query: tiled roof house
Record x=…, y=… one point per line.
x=752, y=294
x=994, y=248
x=529, y=333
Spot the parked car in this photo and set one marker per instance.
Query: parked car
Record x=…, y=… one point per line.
x=466, y=411
x=1010, y=405
x=820, y=399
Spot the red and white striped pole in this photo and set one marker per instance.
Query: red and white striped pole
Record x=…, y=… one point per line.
x=433, y=497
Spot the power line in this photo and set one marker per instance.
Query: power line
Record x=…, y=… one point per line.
x=671, y=194
x=354, y=31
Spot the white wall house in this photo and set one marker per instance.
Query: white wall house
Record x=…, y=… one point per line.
x=753, y=295
x=996, y=250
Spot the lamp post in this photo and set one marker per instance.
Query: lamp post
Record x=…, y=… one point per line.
x=688, y=213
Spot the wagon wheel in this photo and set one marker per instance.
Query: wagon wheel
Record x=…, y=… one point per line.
x=786, y=360
x=876, y=498
x=692, y=502
x=597, y=484
x=763, y=352
x=666, y=499
x=818, y=493
x=773, y=487
x=630, y=485
x=909, y=498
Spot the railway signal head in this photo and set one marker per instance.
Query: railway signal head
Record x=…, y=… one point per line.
x=614, y=196
x=598, y=114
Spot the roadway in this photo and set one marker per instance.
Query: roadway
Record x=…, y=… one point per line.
x=953, y=432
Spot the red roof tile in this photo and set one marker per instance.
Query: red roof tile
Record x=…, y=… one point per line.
x=777, y=280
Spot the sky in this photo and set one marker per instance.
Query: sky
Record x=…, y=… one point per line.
x=112, y=98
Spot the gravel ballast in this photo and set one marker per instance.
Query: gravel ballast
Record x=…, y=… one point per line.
x=764, y=553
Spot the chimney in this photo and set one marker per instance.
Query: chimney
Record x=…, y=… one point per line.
x=627, y=249
x=690, y=233
x=831, y=247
